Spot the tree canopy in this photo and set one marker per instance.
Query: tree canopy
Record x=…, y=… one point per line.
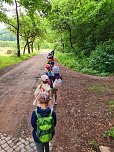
x=80, y=27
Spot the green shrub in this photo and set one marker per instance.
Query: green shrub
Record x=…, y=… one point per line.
x=95, y=65
x=102, y=59
x=68, y=59
x=77, y=63
x=89, y=71
x=9, y=60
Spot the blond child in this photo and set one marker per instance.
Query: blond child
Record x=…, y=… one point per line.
x=43, y=121
x=44, y=86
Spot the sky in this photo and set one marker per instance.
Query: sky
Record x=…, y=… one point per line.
x=2, y=25
x=10, y=12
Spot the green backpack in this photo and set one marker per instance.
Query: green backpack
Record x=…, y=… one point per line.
x=45, y=127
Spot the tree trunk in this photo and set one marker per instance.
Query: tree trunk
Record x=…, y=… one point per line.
x=32, y=46
x=38, y=47
x=62, y=43
x=18, y=43
x=70, y=36
x=24, y=48
x=32, y=42
x=28, y=46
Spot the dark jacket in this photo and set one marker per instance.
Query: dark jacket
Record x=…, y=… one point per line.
x=43, y=113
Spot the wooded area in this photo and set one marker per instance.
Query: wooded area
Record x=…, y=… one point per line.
x=82, y=27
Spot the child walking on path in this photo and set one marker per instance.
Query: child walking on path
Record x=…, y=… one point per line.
x=57, y=81
x=43, y=121
x=44, y=86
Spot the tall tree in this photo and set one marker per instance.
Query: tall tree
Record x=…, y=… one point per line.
x=7, y=20
x=17, y=28
x=34, y=28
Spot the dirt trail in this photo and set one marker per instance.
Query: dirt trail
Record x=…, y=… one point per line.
x=16, y=95
x=81, y=112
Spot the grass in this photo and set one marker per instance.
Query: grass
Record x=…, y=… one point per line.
x=93, y=144
x=7, y=60
x=72, y=61
x=96, y=88
x=110, y=105
x=79, y=64
x=10, y=60
x=68, y=60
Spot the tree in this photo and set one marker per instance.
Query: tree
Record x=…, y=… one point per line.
x=6, y=20
x=41, y=7
x=17, y=28
x=34, y=28
x=83, y=24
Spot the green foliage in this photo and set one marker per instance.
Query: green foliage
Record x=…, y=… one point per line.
x=109, y=133
x=79, y=27
x=9, y=60
x=85, y=24
x=102, y=58
x=39, y=5
x=83, y=27
x=74, y=62
x=110, y=106
x=46, y=45
x=68, y=60
x=79, y=63
x=96, y=88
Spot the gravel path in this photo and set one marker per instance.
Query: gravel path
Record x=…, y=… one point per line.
x=82, y=110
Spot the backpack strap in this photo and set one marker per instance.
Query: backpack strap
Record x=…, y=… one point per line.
x=37, y=114
x=51, y=112
x=41, y=87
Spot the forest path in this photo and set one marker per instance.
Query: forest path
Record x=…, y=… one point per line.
x=81, y=113
x=16, y=95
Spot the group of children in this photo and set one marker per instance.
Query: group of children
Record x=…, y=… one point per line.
x=43, y=118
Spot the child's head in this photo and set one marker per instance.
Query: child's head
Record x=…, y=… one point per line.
x=50, y=56
x=44, y=98
x=44, y=78
x=55, y=70
x=48, y=67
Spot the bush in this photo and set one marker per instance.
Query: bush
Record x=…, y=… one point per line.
x=71, y=61
x=102, y=59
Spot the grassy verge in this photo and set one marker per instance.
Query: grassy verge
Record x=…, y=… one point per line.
x=78, y=64
x=73, y=62
x=9, y=60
